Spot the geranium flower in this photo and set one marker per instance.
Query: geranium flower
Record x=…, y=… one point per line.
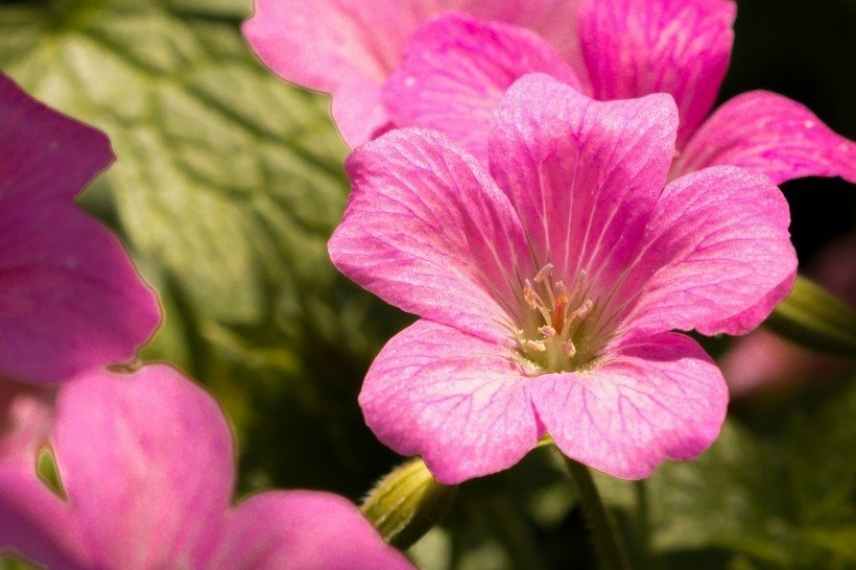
x=349, y=47
x=146, y=467
x=449, y=73
x=71, y=298
x=549, y=285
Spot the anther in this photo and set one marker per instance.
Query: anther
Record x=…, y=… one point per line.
x=570, y=348
x=547, y=331
x=536, y=345
x=543, y=273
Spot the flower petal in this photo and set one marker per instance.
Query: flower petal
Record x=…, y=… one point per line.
x=359, y=112
x=71, y=298
x=583, y=175
x=302, y=530
x=26, y=414
x=771, y=134
x=456, y=70
x=657, y=398
x=458, y=401
x=146, y=462
x=637, y=47
x=36, y=524
x=718, y=255
x=44, y=154
x=427, y=230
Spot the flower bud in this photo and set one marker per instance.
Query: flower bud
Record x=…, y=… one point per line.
x=406, y=503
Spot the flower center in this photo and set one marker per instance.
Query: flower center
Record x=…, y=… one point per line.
x=556, y=335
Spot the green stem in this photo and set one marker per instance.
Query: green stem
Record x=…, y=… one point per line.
x=643, y=520
x=604, y=534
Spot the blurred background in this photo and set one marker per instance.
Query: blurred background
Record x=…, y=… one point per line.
x=229, y=182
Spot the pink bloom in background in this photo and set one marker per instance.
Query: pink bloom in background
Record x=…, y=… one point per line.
x=146, y=464
x=71, y=298
x=390, y=64
x=549, y=284
x=764, y=361
x=350, y=47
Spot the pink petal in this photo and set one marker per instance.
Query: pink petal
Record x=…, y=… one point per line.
x=767, y=133
x=26, y=417
x=657, y=398
x=637, y=47
x=334, y=45
x=36, y=524
x=44, y=154
x=427, y=230
x=583, y=175
x=458, y=401
x=303, y=530
x=146, y=461
x=71, y=298
x=456, y=70
x=720, y=254
x=359, y=112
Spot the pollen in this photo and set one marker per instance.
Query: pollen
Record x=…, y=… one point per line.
x=554, y=333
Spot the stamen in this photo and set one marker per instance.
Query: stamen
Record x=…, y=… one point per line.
x=543, y=273
x=536, y=345
x=535, y=302
x=583, y=310
x=547, y=331
x=570, y=348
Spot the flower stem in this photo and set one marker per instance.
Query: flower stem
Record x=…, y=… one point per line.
x=604, y=534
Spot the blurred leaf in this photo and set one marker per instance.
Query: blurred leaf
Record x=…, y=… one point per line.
x=815, y=318
x=782, y=499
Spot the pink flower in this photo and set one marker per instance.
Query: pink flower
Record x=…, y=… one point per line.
x=396, y=66
x=549, y=285
x=146, y=466
x=349, y=47
x=71, y=298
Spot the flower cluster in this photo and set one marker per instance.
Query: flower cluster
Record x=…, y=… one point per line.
x=543, y=183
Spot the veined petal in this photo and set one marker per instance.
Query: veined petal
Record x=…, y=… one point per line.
x=458, y=401
x=427, y=230
x=455, y=71
x=637, y=47
x=583, y=175
x=36, y=524
x=302, y=530
x=71, y=298
x=655, y=398
x=771, y=134
x=43, y=154
x=717, y=258
x=146, y=462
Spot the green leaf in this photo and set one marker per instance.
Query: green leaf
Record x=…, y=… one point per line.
x=226, y=176
x=813, y=317
x=781, y=496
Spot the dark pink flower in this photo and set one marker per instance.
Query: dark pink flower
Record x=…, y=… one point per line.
x=71, y=298
x=146, y=465
x=549, y=285
x=390, y=64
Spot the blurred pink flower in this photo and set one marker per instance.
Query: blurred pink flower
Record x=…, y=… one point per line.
x=548, y=287
x=146, y=466
x=764, y=361
x=390, y=64
x=71, y=298
x=349, y=47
